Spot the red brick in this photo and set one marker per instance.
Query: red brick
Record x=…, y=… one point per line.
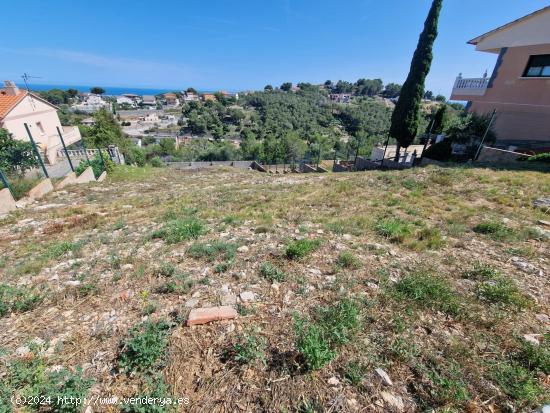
x=205, y=315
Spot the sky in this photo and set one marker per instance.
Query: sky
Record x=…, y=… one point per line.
x=242, y=44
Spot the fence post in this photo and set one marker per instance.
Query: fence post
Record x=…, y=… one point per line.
x=102, y=160
x=36, y=151
x=6, y=184
x=385, y=149
x=65, y=148
x=485, y=134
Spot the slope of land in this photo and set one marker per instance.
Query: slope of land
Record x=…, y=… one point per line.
x=378, y=291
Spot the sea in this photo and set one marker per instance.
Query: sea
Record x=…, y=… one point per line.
x=109, y=90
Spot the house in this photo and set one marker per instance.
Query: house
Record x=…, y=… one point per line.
x=190, y=97
x=340, y=97
x=149, y=100
x=125, y=100
x=19, y=107
x=171, y=99
x=519, y=86
x=149, y=118
x=208, y=97
x=88, y=122
x=91, y=103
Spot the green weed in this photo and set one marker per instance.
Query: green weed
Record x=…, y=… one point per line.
x=271, y=273
x=297, y=250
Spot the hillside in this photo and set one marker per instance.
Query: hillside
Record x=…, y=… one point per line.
x=380, y=291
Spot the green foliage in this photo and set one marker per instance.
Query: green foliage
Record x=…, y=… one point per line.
x=541, y=157
x=16, y=157
x=317, y=339
x=405, y=115
x=144, y=346
x=96, y=90
x=428, y=238
x=249, y=347
x=496, y=230
x=21, y=185
x=347, y=259
x=428, y=291
x=481, y=271
x=517, y=382
x=98, y=165
x=503, y=291
x=61, y=248
x=312, y=344
x=106, y=131
x=15, y=299
x=271, y=273
x=533, y=357
x=58, y=96
x=135, y=156
x=180, y=229
x=155, y=389
x=27, y=377
x=299, y=249
x=213, y=250
x=156, y=162
x=394, y=229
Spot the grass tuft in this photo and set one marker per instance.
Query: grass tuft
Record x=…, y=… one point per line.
x=297, y=250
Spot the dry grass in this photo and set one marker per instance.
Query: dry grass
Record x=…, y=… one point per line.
x=448, y=339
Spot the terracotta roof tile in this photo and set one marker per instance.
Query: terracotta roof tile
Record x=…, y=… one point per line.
x=8, y=102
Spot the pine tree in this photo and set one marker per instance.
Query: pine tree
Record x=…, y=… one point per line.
x=404, y=122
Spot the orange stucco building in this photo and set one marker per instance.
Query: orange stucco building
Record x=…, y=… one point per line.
x=519, y=87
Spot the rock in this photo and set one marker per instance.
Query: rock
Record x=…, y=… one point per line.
x=542, y=222
x=543, y=203
x=543, y=318
x=330, y=279
x=22, y=351
x=228, y=299
x=275, y=286
x=48, y=206
x=532, y=338
x=347, y=237
x=320, y=231
x=333, y=381
x=243, y=248
x=205, y=315
x=394, y=401
x=247, y=296
x=192, y=302
x=314, y=271
x=384, y=376
x=523, y=265
x=72, y=283
x=127, y=267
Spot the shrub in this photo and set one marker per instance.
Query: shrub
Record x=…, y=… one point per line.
x=135, y=156
x=440, y=151
x=65, y=384
x=428, y=291
x=143, y=348
x=339, y=321
x=299, y=249
x=156, y=162
x=250, y=346
x=541, y=157
x=429, y=238
x=181, y=229
x=312, y=344
x=496, y=230
x=394, y=229
x=481, y=271
x=271, y=272
x=534, y=357
x=16, y=157
x=97, y=164
x=517, y=382
x=17, y=299
x=503, y=291
x=347, y=260
x=155, y=389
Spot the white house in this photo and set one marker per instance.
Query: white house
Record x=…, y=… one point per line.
x=149, y=118
x=92, y=103
x=19, y=107
x=121, y=100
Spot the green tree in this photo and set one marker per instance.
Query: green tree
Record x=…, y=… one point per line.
x=440, y=120
x=16, y=157
x=55, y=96
x=392, y=90
x=429, y=95
x=72, y=93
x=191, y=90
x=440, y=98
x=106, y=131
x=343, y=86
x=268, y=88
x=404, y=125
x=287, y=86
x=97, y=90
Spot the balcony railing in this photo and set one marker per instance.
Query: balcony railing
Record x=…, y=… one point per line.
x=470, y=87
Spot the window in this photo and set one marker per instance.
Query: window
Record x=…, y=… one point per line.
x=538, y=66
x=39, y=124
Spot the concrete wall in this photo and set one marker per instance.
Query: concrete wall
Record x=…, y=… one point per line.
x=7, y=203
x=497, y=155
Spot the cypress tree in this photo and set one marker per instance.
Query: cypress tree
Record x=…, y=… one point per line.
x=404, y=121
